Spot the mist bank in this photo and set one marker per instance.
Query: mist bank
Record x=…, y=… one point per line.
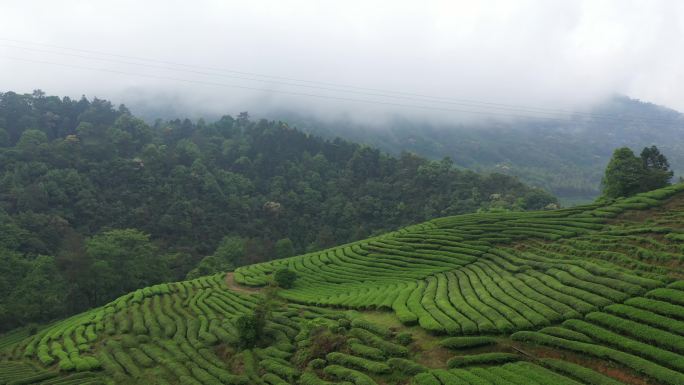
x=564, y=156
x=564, y=153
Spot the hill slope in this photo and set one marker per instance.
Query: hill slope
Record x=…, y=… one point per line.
x=71, y=171
x=564, y=156
x=588, y=295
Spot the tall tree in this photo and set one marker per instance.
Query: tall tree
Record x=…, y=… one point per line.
x=624, y=174
x=284, y=248
x=627, y=174
x=657, y=171
x=124, y=260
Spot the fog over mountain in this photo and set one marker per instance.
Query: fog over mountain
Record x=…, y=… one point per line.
x=213, y=54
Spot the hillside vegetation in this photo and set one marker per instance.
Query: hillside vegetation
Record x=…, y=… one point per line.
x=586, y=295
x=89, y=193
x=564, y=154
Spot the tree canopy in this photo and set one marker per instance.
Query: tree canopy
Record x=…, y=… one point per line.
x=118, y=203
x=627, y=174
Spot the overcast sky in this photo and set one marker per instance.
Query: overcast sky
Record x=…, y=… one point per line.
x=537, y=54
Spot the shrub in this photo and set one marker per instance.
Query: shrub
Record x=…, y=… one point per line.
x=248, y=330
x=426, y=379
x=405, y=338
x=321, y=341
x=316, y=363
x=282, y=370
x=647, y=317
x=344, y=323
x=524, y=372
x=626, y=344
x=310, y=378
x=358, y=363
x=581, y=373
x=639, y=331
x=366, y=351
x=389, y=348
x=449, y=377
x=352, y=375
x=44, y=355
x=405, y=366
x=565, y=333
x=466, y=342
x=371, y=327
x=673, y=296
x=638, y=364
x=32, y=329
x=400, y=307
x=273, y=379
x=480, y=359
x=660, y=307
x=285, y=278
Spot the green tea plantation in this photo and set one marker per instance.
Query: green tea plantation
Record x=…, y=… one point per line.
x=587, y=295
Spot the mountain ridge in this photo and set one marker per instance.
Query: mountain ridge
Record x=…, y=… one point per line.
x=564, y=156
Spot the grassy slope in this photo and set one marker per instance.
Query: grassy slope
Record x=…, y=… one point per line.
x=597, y=286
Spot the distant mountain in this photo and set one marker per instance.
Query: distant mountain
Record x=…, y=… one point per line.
x=566, y=157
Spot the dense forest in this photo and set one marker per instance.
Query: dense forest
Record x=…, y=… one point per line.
x=565, y=155
x=95, y=203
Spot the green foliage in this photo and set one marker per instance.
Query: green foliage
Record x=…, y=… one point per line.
x=624, y=174
x=208, y=265
x=125, y=259
x=657, y=169
x=426, y=379
x=93, y=186
x=566, y=159
x=279, y=368
x=31, y=139
x=466, y=342
x=371, y=327
x=405, y=338
x=316, y=341
x=481, y=359
x=389, y=348
x=284, y=248
x=362, y=350
x=405, y=366
x=33, y=290
x=587, y=376
x=4, y=137
x=285, y=278
x=355, y=362
x=310, y=378
x=661, y=373
x=466, y=275
x=231, y=250
x=248, y=330
x=627, y=175
x=565, y=333
x=352, y=375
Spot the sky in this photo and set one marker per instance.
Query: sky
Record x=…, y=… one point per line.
x=452, y=58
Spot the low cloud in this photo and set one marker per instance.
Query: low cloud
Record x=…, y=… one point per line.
x=356, y=58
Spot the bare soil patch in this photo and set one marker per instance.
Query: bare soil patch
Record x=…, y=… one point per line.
x=234, y=286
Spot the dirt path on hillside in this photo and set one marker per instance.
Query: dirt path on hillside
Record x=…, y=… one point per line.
x=232, y=285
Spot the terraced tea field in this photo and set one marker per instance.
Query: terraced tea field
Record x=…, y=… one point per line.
x=587, y=295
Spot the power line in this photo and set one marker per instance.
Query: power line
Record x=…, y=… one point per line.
x=261, y=80
x=294, y=93
x=338, y=87
x=254, y=88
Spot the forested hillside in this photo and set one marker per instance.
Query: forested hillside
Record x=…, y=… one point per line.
x=587, y=295
x=565, y=155
x=95, y=203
